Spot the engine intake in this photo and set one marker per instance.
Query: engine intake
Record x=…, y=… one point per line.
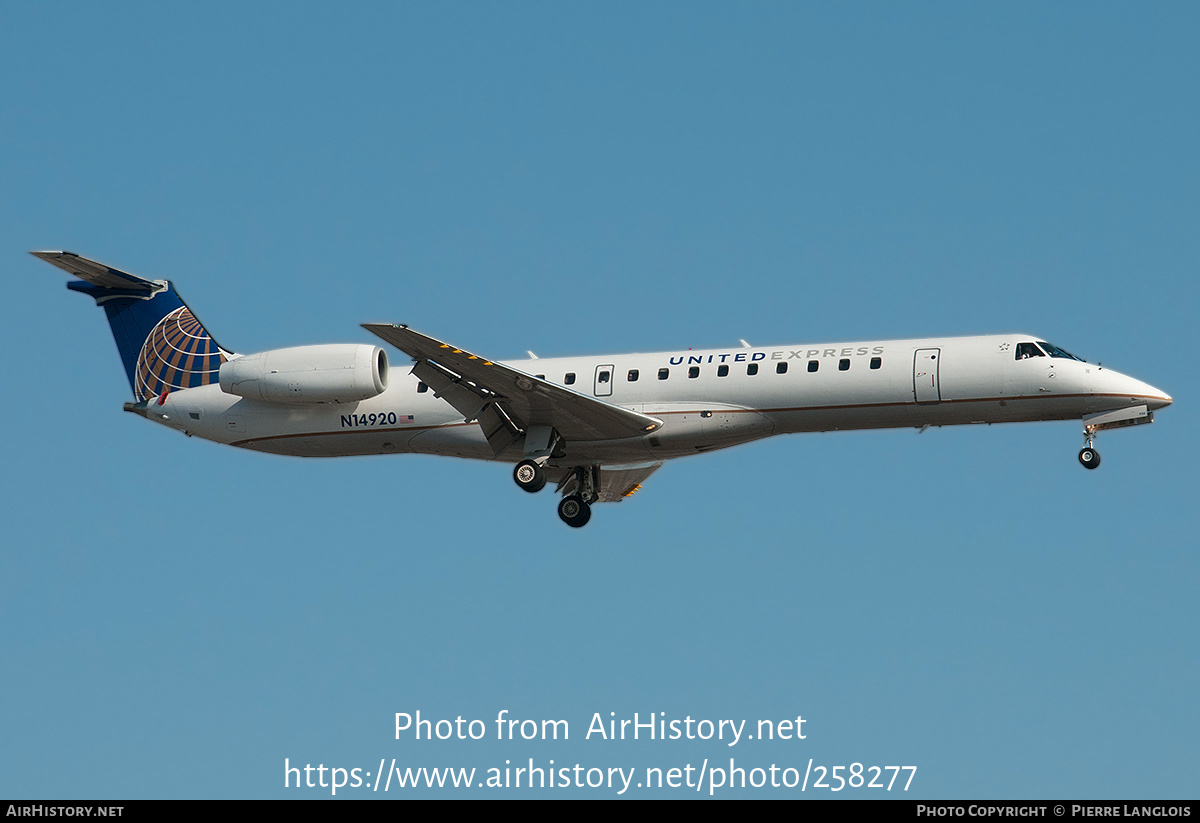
x=339, y=373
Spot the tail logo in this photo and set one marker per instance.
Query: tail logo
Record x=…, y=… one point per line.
x=178, y=354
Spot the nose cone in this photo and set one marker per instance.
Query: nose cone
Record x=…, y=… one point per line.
x=1129, y=391
x=1145, y=393
x=1160, y=400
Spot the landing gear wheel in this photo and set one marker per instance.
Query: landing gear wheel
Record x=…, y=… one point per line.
x=574, y=512
x=529, y=476
x=1090, y=458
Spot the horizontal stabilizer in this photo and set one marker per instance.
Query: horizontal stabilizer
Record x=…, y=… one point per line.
x=97, y=274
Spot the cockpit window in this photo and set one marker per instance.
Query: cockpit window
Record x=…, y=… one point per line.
x=1055, y=351
x=1028, y=350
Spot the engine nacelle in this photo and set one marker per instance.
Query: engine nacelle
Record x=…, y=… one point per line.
x=339, y=373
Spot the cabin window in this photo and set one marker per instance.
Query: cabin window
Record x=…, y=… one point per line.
x=781, y=368
x=570, y=378
x=603, y=377
x=752, y=369
x=694, y=371
x=844, y=364
x=633, y=376
x=876, y=362
x=813, y=365
x=722, y=371
x=663, y=374
x=1028, y=350
x=540, y=376
x=422, y=388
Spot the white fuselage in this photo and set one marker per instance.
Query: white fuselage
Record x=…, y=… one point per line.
x=706, y=399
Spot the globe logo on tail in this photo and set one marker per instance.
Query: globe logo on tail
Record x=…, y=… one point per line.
x=178, y=354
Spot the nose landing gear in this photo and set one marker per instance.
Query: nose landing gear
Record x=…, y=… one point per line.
x=1115, y=419
x=1089, y=458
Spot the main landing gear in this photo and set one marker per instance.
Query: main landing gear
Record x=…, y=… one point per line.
x=575, y=508
x=1089, y=458
x=574, y=511
x=529, y=476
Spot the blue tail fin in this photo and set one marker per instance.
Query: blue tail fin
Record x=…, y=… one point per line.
x=162, y=344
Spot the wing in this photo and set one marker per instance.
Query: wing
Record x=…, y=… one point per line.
x=508, y=402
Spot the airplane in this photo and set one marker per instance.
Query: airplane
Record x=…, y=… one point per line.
x=597, y=427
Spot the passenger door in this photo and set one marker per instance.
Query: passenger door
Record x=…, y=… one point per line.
x=925, y=376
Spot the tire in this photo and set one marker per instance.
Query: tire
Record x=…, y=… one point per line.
x=1089, y=458
x=529, y=476
x=574, y=512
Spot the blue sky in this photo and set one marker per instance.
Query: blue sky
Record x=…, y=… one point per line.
x=177, y=618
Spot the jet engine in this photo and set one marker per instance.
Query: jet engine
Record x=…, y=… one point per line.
x=340, y=373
